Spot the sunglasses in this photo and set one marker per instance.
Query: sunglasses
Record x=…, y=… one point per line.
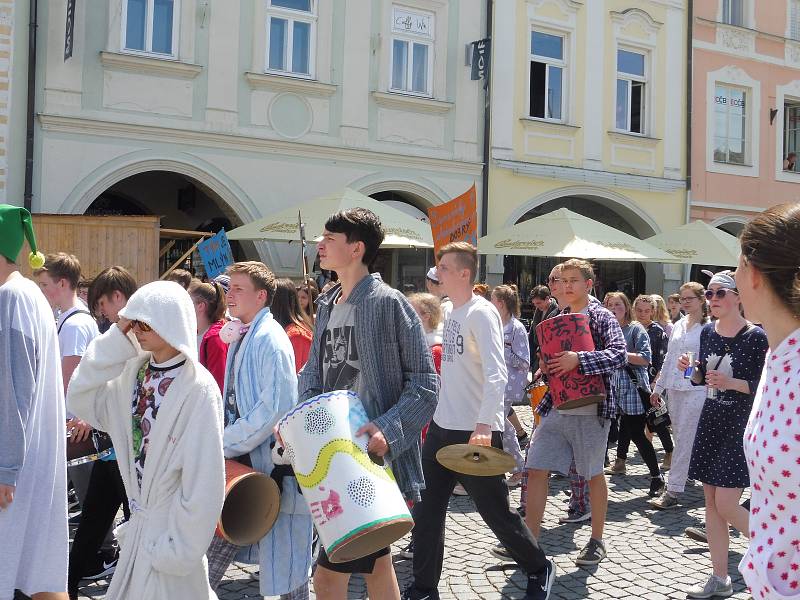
x=141, y=326
x=553, y=279
x=720, y=293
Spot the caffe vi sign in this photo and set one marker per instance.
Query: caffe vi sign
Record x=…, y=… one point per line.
x=407, y=21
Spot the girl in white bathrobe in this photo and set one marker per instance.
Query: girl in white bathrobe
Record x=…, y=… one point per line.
x=142, y=383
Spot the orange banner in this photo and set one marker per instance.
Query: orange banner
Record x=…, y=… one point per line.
x=455, y=221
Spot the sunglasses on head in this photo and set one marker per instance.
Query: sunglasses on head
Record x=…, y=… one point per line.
x=720, y=293
x=141, y=326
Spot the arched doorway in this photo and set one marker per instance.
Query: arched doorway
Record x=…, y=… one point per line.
x=183, y=203
x=732, y=226
x=629, y=277
x=405, y=268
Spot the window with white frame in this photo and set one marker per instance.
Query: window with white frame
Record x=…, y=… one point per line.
x=547, y=70
x=791, y=135
x=151, y=26
x=291, y=29
x=731, y=136
x=794, y=19
x=733, y=12
x=631, y=91
x=412, y=52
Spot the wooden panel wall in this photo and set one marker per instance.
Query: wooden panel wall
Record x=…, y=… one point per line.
x=100, y=242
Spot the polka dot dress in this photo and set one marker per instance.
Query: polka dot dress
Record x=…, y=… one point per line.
x=771, y=566
x=718, y=452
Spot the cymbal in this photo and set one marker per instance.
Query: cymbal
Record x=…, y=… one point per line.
x=469, y=459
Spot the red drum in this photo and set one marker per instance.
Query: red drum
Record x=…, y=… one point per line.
x=252, y=502
x=570, y=332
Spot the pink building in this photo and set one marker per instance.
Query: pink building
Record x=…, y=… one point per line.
x=745, y=108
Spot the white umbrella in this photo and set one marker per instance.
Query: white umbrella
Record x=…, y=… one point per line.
x=563, y=233
x=699, y=242
x=402, y=230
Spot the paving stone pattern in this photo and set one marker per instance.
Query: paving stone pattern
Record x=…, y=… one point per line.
x=648, y=555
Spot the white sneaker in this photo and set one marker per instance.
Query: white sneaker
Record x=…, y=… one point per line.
x=714, y=587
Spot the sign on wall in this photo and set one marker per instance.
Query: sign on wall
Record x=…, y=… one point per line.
x=455, y=221
x=481, y=51
x=216, y=254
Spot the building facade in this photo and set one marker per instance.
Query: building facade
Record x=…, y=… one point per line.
x=588, y=114
x=745, y=109
x=217, y=113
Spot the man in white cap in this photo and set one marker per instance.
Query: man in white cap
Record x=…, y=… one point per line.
x=33, y=472
x=434, y=286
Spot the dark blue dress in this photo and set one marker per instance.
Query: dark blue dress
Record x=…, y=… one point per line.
x=718, y=452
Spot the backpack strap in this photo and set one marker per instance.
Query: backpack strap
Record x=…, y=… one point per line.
x=72, y=314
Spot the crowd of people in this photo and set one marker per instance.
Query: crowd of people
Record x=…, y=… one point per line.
x=180, y=375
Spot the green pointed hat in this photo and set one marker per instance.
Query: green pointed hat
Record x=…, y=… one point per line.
x=15, y=227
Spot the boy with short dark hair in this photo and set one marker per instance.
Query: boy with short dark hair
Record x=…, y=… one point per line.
x=579, y=434
x=369, y=339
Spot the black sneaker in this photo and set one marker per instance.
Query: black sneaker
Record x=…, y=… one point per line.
x=698, y=534
x=502, y=553
x=656, y=486
x=593, y=552
x=540, y=584
x=408, y=551
x=104, y=569
x=412, y=593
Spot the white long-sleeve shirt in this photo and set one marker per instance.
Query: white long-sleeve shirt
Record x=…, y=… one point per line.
x=680, y=342
x=474, y=374
x=772, y=448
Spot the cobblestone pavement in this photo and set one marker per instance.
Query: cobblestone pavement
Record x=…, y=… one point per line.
x=648, y=556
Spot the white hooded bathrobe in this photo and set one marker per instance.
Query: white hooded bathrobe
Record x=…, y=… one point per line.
x=174, y=514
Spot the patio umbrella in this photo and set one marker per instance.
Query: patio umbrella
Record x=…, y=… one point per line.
x=699, y=242
x=563, y=233
x=402, y=230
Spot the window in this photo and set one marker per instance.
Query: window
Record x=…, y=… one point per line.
x=151, y=26
x=412, y=52
x=733, y=12
x=791, y=135
x=547, y=76
x=290, y=37
x=731, y=139
x=794, y=19
x=631, y=96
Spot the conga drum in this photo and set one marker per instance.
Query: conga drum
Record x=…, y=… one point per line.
x=96, y=446
x=564, y=333
x=252, y=502
x=355, y=503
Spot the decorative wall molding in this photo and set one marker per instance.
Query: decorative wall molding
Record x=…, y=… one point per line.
x=149, y=65
x=411, y=103
x=281, y=83
x=736, y=39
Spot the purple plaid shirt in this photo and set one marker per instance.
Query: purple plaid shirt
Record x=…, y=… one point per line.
x=610, y=354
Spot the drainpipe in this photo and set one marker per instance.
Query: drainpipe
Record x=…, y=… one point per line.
x=32, y=27
x=689, y=86
x=487, y=121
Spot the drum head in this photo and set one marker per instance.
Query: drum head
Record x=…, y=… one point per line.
x=469, y=459
x=250, y=509
x=370, y=540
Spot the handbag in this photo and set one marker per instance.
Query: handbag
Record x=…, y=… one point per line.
x=655, y=416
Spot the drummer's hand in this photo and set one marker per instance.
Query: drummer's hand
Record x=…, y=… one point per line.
x=6, y=496
x=278, y=436
x=655, y=399
x=482, y=436
x=124, y=325
x=80, y=430
x=563, y=363
x=377, y=442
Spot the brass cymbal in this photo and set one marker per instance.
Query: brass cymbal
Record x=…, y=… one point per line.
x=483, y=461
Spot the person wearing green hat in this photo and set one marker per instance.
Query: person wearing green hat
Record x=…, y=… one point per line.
x=33, y=477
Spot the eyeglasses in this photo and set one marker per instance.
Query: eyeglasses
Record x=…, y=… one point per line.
x=720, y=293
x=553, y=280
x=685, y=299
x=141, y=326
